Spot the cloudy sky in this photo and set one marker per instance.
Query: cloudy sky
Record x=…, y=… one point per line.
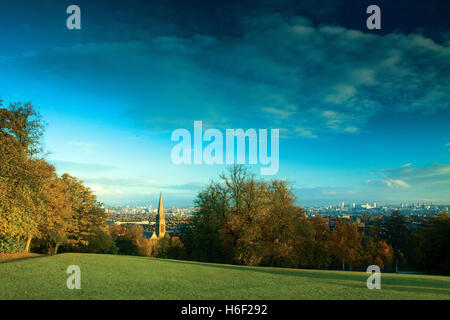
x=363, y=114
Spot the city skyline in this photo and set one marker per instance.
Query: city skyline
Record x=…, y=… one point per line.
x=363, y=114
x=336, y=205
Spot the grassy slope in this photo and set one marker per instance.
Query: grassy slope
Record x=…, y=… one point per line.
x=126, y=277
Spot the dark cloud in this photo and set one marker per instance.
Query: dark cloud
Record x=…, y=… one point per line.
x=310, y=69
x=281, y=72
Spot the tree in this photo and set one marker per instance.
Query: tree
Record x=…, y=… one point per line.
x=55, y=208
x=435, y=245
x=20, y=131
x=402, y=240
x=177, y=249
x=87, y=213
x=203, y=236
x=22, y=123
x=320, y=249
x=101, y=241
x=346, y=243
x=283, y=224
x=34, y=202
x=243, y=220
x=379, y=253
x=128, y=239
x=248, y=214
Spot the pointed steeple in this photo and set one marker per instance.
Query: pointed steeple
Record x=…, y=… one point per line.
x=160, y=206
x=160, y=219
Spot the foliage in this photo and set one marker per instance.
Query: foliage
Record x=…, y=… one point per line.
x=128, y=239
x=242, y=220
x=402, y=239
x=313, y=245
x=11, y=245
x=87, y=212
x=20, y=132
x=347, y=243
x=378, y=253
x=35, y=204
x=169, y=247
x=245, y=221
x=101, y=241
x=435, y=245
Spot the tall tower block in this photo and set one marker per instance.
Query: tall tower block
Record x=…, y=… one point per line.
x=160, y=219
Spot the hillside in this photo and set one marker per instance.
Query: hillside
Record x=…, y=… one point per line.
x=128, y=277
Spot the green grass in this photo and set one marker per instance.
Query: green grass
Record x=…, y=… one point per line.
x=127, y=277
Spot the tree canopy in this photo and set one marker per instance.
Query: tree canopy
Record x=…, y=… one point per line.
x=35, y=203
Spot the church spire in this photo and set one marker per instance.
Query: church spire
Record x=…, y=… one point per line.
x=160, y=219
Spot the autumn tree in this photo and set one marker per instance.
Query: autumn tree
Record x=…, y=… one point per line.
x=283, y=226
x=203, y=238
x=378, y=253
x=128, y=239
x=20, y=131
x=317, y=244
x=402, y=239
x=87, y=212
x=435, y=245
x=243, y=220
x=35, y=204
x=54, y=209
x=248, y=211
x=346, y=243
x=101, y=241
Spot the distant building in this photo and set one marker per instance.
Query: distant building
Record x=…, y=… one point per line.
x=366, y=206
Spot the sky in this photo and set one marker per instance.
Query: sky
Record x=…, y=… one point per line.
x=363, y=114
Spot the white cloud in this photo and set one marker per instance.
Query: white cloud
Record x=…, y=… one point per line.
x=424, y=178
x=304, y=133
x=282, y=113
x=396, y=183
x=407, y=165
x=101, y=190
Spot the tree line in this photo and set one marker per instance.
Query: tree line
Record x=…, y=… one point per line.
x=243, y=220
x=37, y=207
x=47, y=213
x=240, y=219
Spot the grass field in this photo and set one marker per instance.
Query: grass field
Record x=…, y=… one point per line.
x=127, y=277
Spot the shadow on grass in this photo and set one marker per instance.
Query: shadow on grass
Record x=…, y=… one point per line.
x=302, y=273
x=397, y=284
x=11, y=260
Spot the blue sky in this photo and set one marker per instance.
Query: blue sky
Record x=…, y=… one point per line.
x=363, y=115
